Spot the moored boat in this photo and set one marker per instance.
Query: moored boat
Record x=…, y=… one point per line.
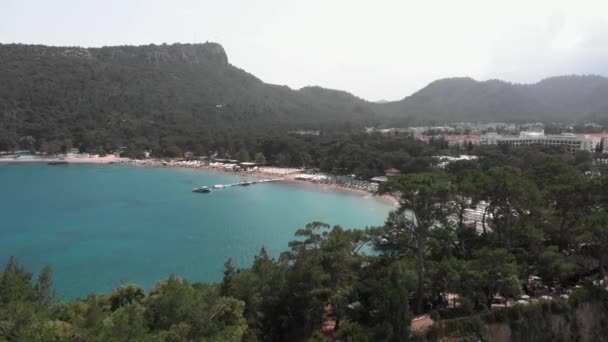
x=202, y=189
x=57, y=162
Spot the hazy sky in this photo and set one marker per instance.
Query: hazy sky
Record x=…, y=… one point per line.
x=374, y=49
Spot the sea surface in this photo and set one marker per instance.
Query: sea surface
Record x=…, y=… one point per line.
x=102, y=226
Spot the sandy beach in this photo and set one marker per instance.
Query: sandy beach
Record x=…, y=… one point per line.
x=282, y=173
x=96, y=160
x=292, y=178
x=71, y=159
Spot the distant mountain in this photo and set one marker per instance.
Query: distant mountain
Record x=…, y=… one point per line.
x=573, y=96
x=464, y=99
x=189, y=95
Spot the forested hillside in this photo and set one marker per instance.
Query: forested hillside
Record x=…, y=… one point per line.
x=155, y=96
x=172, y=98
x=572, y=95
x=564, y=98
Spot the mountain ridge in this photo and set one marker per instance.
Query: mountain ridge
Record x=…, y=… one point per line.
x=190, y=95
x=558, y=98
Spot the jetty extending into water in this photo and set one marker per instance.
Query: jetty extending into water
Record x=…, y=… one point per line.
x=243, y=183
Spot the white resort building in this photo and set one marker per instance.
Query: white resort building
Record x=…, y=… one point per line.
x=572, y=142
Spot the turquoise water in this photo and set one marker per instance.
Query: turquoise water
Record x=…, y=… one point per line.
x=102, y=226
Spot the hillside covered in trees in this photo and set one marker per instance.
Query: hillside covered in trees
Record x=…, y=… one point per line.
x=180, y=95
x=173, y=98
x=563, y=98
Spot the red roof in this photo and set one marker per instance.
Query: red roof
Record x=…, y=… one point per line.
x=594, y=135
x=391, y=170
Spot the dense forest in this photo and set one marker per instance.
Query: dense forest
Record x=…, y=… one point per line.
x=544, y=218
x=564, y=98
x=161, y=97
x=188, y=97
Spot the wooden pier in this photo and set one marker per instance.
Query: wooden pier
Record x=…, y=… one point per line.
x=245, y=183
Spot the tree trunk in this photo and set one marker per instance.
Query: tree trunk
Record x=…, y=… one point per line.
x=508, y=228
x=601, y=265
x=483, y=220
x=499, y=226
x=562, y=241
x=490, y=297
x=421, y=271
x=461, y=216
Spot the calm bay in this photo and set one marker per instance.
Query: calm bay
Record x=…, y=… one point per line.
x=102, y=226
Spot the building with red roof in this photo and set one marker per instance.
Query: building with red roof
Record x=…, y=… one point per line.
x=392, y=172
x=595, y=141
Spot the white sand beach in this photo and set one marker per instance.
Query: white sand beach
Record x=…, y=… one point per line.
x=70, y=159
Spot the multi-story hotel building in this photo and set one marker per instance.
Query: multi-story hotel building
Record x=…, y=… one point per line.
x=570, y=141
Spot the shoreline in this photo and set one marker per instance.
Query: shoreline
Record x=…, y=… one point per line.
x=109, y=159
x=334, y=186
x=287, y=176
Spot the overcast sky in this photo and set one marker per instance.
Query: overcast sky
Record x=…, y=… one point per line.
x=373, y=49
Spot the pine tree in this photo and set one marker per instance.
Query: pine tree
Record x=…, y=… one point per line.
x=229, y=272
x=45, y=294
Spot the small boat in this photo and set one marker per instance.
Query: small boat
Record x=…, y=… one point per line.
x=57, y=162
x=219, y=186
x=245, y=183
x=202, y=189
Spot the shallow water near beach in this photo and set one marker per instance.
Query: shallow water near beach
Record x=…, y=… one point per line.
x=102, y=226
